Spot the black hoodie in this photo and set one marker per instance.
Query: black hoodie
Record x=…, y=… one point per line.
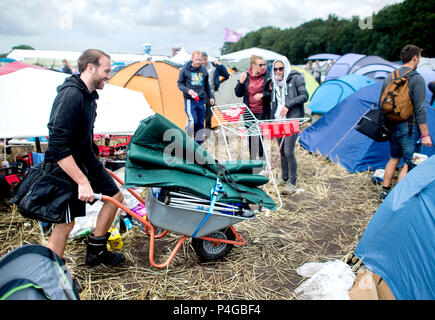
x=195, y=79
x=71, y=124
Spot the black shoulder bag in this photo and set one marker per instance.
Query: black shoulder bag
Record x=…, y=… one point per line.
x=44, y=193
x=372, y=124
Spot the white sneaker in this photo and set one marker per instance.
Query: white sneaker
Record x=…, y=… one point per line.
x=289, y=189
x=282, y=182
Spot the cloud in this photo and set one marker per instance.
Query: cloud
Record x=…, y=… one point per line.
x=123, y=25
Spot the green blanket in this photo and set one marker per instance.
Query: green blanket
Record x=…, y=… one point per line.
x=160, y=154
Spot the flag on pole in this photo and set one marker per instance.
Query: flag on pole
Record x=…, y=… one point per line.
x=231, y=36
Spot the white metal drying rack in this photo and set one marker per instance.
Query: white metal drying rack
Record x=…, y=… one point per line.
x=238, y=119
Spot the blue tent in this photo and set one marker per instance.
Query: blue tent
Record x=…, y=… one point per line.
x=377, y=72
x=324, y=56
x=331, y=92
x=398, y=243
x=335, y=137
x=371, y=66
x=372, y=61
x=342, y=65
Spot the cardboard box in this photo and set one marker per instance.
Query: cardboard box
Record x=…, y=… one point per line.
x=370, y=286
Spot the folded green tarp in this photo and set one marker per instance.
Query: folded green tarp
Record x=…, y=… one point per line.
x=160, y=154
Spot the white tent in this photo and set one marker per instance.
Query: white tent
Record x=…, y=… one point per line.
x=181, y=57
x=72, y=56
x=27, y=95
x=426, y=64
x=246, y=53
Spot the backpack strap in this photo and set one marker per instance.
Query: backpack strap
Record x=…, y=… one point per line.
x=396, y=75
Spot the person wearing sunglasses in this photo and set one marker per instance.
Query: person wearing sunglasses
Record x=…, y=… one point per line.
x=288, y=95
x=251, y=87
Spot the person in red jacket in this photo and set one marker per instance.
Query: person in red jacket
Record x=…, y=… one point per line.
x=251, y=86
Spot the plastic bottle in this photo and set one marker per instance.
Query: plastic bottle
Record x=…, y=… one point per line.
x=126, y=220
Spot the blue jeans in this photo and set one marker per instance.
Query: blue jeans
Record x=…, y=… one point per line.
x=403, y=142
x=195, y=111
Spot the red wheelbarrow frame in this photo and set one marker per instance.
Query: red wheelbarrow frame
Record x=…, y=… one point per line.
x=150, y=230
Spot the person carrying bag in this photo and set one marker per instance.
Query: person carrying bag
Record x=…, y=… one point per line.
x=44, y=194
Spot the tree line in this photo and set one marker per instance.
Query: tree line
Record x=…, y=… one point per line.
x=383, y=34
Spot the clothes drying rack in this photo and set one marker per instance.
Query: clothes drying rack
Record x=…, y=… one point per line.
x=238, y=119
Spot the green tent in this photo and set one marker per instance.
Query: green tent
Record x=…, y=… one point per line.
x=160, y=154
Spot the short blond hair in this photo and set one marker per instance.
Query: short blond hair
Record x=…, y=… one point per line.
x=196, y=52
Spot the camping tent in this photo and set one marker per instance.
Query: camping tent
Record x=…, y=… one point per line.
x=324, y=56
x=226, y=94
x=428, y=76
x=377, y=72
x=16, y=65
x=370, y=61
x=310, y=84
x=342, y=65
x=331, y=92
x=335, y=137
x=158, y=83
x=53, y=58
x=181, y=57
x=26, y=97
x=426, y=64
x=398, y=243
x=34, y=272
x=374, y=67
x=267, y=55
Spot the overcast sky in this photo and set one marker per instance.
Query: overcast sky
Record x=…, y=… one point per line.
x=123, y=26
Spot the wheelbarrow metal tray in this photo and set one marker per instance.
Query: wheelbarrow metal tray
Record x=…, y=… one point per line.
x=186, y=221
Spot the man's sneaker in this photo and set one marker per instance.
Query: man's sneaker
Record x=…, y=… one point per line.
x=384, y=194
x=289, y=189
x=97, y=252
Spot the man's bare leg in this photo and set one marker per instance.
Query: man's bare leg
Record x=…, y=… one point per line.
x=58, y=237
x=390, y=168
x=106, y=216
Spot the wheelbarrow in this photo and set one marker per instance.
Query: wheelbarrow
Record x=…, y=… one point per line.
x=213, y=235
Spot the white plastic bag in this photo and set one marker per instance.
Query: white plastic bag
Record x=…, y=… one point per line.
x=330, y=280
x=86, y=224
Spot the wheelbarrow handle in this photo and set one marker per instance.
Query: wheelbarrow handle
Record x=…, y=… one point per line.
x=98, y=196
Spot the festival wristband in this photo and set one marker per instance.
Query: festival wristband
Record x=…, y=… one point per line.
x=425, y=135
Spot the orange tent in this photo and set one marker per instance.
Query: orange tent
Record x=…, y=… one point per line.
x=157, y=81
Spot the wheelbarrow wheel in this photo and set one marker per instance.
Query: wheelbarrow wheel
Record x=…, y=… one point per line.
x=212, y=250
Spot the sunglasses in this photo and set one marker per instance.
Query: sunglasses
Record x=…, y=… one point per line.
x=278, y=69
x=261, y=64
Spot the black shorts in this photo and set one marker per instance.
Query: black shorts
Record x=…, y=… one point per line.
x=101, y=182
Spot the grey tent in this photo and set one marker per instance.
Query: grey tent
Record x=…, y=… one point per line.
x=34, y=272
x=226, y=94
